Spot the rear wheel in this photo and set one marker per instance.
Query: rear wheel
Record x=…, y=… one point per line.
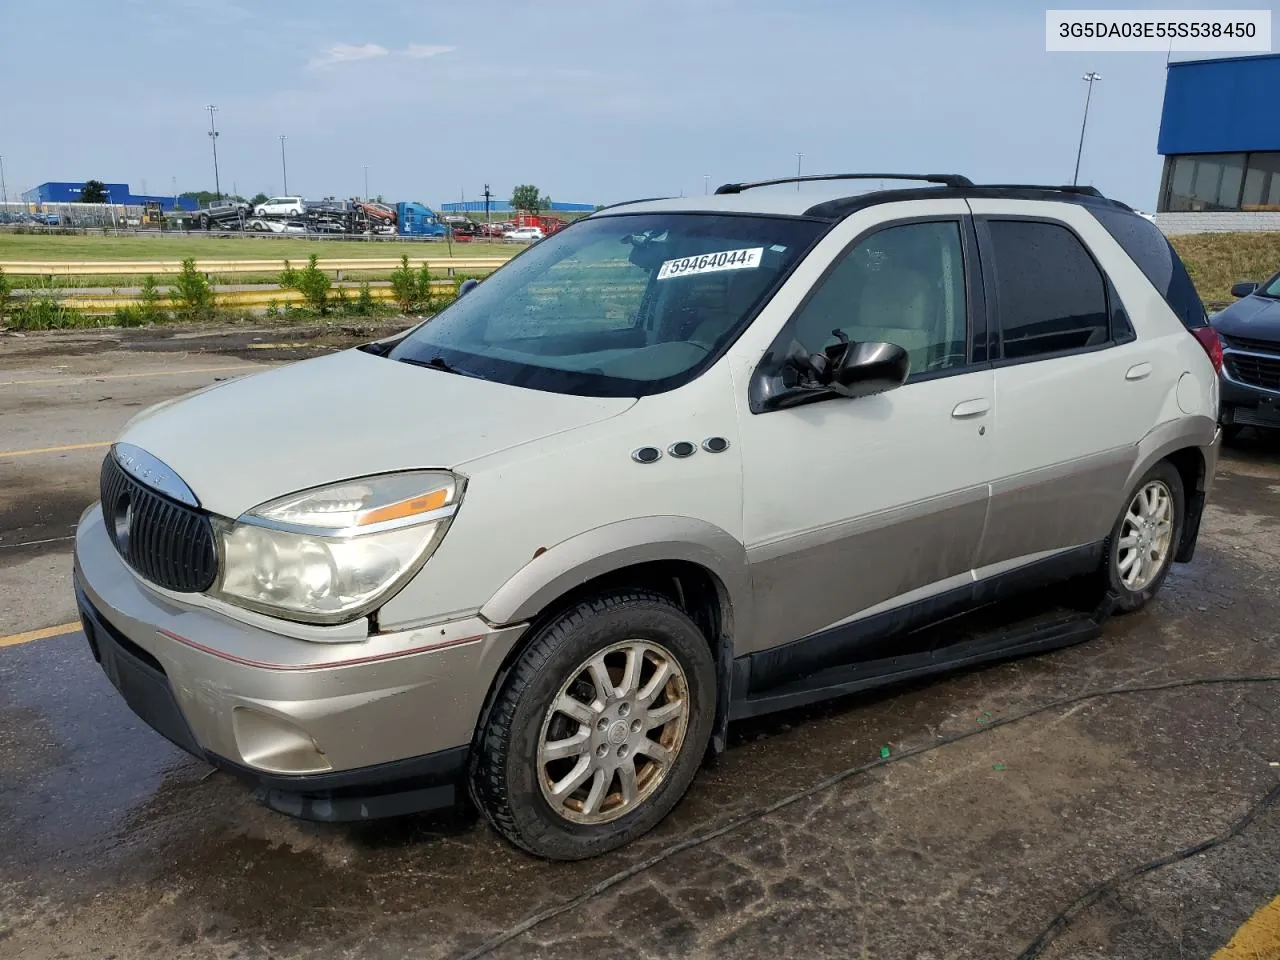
x=1145, y=537
x=599, y=728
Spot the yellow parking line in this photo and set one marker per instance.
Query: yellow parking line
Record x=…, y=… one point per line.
x=33, y=635
x=70, y=446
x=126, y=376
x=1258, y=938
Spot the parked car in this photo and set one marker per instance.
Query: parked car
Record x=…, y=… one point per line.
x=281, y=207
x=684, y=462
x=524, y=235
x=1250, y=330
x=263, y=225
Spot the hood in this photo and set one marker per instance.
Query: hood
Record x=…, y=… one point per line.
x=1257, y=318
x=345, y=415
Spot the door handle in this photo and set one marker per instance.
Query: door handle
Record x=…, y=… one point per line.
x=971, y=408
x=1139, y=371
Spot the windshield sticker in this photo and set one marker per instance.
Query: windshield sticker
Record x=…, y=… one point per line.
x=747, y=259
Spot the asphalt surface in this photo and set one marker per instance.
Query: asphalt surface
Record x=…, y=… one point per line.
x=113, y=843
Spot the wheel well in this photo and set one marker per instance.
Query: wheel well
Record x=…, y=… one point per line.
x=1189, y=462
x=693, y=588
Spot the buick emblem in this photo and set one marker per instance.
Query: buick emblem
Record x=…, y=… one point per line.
x=154, y=473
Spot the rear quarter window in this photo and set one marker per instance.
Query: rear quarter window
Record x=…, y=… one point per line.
x=1156, y=258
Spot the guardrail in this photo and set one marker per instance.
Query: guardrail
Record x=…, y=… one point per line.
x=119, y=268
x=105, y=304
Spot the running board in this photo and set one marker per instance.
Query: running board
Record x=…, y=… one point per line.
x=1040, y=634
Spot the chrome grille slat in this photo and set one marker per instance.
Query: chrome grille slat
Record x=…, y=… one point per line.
x=169, y=544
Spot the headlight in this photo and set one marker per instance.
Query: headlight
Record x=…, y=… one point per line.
x=331, y=554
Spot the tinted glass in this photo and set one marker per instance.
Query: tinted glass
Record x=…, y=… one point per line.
x=1157, y=259
x=902, y=285
x=1050, y=293
x=624, y=305
x=1205, y=182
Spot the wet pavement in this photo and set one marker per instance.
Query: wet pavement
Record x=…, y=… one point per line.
x=113, y=843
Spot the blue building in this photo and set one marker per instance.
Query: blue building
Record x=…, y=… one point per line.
x=504, y=207
x=1220, y=135
x=69, y=192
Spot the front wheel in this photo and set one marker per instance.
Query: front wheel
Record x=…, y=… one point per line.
x=1145, y=537
x=598, y=729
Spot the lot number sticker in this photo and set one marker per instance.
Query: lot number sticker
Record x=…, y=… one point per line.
x=747, y=259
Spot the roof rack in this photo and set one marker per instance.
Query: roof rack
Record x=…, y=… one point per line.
x=1063, y=188
x=946, y=179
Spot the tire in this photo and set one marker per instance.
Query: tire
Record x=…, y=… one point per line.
x=513, y=778
x=1135, y=590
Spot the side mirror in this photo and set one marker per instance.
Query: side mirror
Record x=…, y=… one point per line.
x=1244, y=288
x=866, y=369
x=467, y=285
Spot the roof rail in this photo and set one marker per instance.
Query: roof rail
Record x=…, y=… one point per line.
x=946, y=179
x=1063, y=188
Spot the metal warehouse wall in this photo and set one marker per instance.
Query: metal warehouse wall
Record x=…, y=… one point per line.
x=1230, y=105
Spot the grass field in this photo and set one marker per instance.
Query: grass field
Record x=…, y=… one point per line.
x=27, y=246
x=1217, y=260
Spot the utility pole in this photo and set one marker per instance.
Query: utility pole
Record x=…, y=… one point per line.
x=799, y=158
x=706, y=183
x=4, y=190
x=487, y=195
x=1089, y=78
x=366, y=181
x=284, y=170
x=213, y=138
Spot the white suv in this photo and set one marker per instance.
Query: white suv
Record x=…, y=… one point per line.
x=281, y=207
x=683, y=462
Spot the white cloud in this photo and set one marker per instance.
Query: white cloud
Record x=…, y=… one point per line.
x=346, y=53
x=420, y=51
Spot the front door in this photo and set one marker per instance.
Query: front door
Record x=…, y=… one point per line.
x=850, y=504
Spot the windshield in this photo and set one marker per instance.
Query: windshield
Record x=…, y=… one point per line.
x=626, y=305
x=1272, y=288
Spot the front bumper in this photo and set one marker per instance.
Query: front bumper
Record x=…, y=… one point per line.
x=330, y=731
x=1246, y=405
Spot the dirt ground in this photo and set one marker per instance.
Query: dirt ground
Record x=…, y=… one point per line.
x=113, y=843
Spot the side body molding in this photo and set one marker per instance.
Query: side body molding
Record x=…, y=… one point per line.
x=602, y=550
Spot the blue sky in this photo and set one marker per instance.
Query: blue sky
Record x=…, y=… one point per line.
x=591, y=101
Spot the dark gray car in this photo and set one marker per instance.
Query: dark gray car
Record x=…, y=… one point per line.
x=1250, y=330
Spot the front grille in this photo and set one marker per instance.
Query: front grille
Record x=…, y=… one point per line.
x=168, y=543
x=1257, y=371
x=1257, y=346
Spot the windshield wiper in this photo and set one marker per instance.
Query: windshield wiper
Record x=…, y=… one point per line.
x=435, y=363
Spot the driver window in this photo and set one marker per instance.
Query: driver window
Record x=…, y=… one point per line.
x=903, y=285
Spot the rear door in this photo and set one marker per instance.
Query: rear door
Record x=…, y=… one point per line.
x=1077, y=388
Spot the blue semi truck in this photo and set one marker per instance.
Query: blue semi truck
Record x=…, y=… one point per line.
x=418, y=220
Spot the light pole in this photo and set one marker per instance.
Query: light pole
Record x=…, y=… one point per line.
x=4, y=190
x=706, y=183
x=284, y=170
x=1089, y=78
x=366, y=181
x=799, y=158
x=213, y=138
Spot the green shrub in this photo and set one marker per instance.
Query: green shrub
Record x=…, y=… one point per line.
x=404, y=286
x=43, y=309
x=365, y=305
x=191, y=293
x=6, y=290
x=312, y=282
x=147, y=311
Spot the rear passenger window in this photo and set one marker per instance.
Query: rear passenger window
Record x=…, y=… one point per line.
x=1157, y=259
x=1050, y=294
